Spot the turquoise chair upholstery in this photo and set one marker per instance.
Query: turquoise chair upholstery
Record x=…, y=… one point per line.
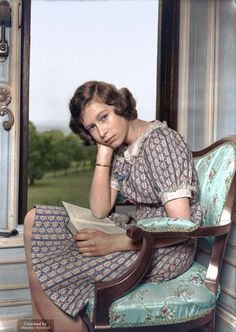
x=166, y=225
x=215, y=173
x=186, y=297
x=177, y=300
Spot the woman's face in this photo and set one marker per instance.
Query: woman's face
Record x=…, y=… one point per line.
x=104, y=125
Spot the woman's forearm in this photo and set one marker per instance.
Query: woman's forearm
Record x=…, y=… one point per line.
x=100, y=193
x=122, y=242
x=91, y=242
x=101, y=201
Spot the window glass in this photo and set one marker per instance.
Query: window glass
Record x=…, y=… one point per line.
x=73, y=42
x=207, y=78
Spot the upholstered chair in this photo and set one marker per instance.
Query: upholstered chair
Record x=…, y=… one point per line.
x=188, y=301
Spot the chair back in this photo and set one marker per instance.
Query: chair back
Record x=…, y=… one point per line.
x=216, y=169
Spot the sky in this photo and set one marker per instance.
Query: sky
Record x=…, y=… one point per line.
x=76, y=41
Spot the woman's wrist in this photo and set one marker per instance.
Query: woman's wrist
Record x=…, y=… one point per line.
x=104, y=155
x=103, y=161
x=102, y=165
x=121, y=242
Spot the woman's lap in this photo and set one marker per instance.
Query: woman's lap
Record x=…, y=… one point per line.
x=68, y=278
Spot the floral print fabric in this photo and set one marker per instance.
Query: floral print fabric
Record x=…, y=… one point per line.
x=178, y=300
x=215, y=171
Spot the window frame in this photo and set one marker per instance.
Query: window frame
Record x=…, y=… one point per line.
x=24, y=107
x=166, y=87
x=168, y=62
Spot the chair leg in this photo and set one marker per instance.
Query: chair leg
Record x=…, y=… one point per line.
x=210, y=327
x=87, y=322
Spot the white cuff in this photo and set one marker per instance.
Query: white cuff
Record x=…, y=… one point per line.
x=169, y=196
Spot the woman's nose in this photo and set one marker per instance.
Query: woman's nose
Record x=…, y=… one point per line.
x=102, y=131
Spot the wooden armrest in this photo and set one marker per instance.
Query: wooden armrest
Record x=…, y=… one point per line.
x=220, y=233
x=201, y=231
x=106, y=292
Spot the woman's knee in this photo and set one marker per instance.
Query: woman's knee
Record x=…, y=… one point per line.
x=28, y=221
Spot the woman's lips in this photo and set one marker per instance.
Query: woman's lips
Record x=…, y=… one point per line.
x=110, y=140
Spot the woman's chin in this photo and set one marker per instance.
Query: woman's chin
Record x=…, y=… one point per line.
x=115, y=144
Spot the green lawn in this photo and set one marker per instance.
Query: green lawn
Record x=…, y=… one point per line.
x=73, y=188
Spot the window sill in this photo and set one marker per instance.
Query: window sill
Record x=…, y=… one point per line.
x=13, y=241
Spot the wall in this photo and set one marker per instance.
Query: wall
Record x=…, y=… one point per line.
x=207, y=103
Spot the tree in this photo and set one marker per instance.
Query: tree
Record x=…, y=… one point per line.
x=53, y=151
x=80, y=153
x=91, y=154
x=74, y=149
x=36, y=160
x=58, y=156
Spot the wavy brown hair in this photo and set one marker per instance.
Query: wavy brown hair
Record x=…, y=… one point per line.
x=106, y=93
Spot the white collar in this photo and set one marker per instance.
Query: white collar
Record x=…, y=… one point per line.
x=133, y=149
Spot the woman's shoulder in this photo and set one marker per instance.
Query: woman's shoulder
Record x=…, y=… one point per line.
x=167, y=141
x=149, y=137
x=157, y=137
x=163, y=139
x=160, y=132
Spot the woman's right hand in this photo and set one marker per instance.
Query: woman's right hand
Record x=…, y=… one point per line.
x=104, y=154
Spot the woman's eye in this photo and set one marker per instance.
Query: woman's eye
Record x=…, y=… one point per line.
x=91, y=128
x=104, y=117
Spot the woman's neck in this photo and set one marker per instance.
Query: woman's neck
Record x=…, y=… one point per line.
x=136, y=129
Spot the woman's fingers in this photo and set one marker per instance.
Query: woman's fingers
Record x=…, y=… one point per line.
x=93, y=243
x=85, y=242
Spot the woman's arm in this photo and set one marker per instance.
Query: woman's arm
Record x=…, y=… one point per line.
x=92, y=242
x=102, y=196
x=178, y=208
x=96, y=243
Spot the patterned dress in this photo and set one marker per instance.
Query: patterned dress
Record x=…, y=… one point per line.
x=155, y=169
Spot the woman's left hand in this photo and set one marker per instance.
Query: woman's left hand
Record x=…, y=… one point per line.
x=91, y=242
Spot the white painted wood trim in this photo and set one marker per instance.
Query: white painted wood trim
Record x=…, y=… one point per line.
x=13, y=260
x=12, y=242
x=226, y=317
x=183, y=74
x=14, y=286
x=210, y=74
x=13, y=303
x=14, y=86
x=216, y=70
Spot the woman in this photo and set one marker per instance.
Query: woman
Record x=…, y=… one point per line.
x=148, y=163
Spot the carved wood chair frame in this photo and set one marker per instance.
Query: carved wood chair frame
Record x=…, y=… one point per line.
x=107, y=292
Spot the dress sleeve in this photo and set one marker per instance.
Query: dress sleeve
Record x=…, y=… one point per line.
x=170, y=164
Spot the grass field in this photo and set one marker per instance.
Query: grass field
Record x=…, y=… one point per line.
x=73, y=188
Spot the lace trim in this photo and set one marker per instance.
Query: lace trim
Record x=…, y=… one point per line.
x=134, y=148
x=179, y=193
